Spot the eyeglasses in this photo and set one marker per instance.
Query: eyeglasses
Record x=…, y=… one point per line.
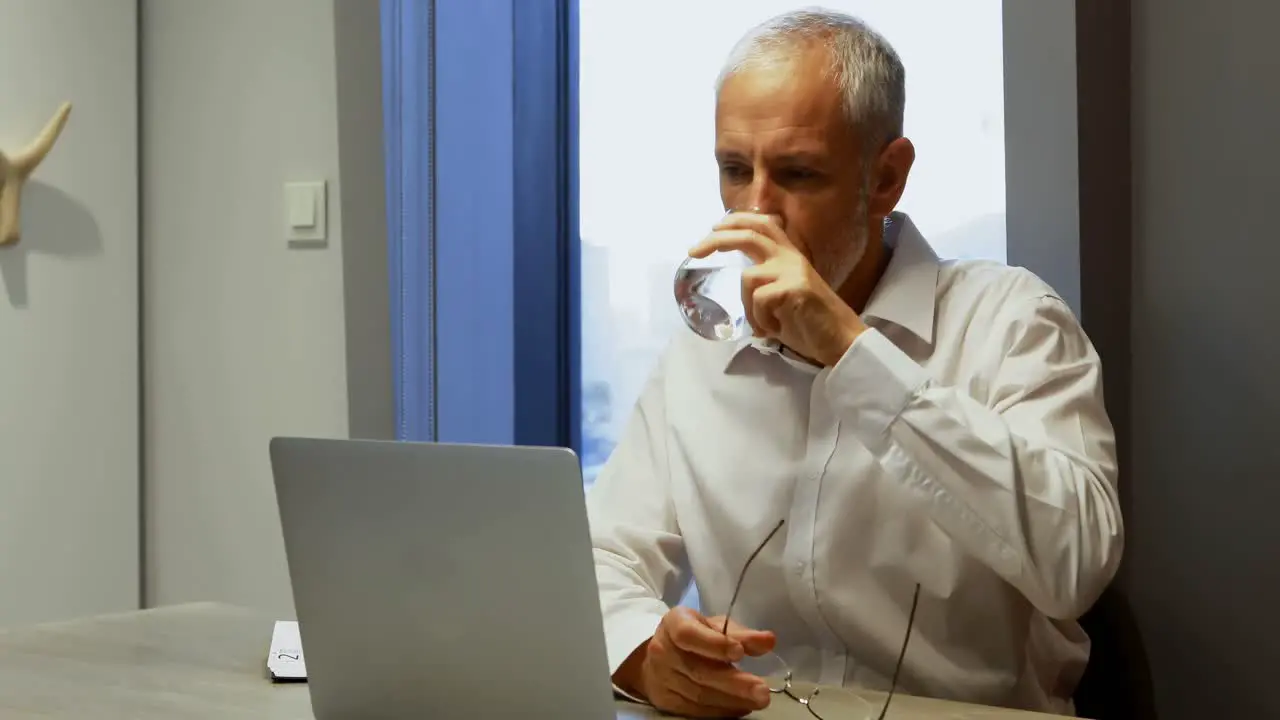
x=776, y=673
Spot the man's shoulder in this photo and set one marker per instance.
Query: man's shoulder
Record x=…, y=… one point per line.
x=991, y=288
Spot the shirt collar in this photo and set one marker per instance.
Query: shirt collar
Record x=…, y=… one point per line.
x=906, y=295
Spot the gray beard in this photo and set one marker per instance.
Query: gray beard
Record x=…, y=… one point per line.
x=837, y=267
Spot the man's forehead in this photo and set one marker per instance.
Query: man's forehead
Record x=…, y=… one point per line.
x=778, y=87
x=779, y=124
x=787, y=91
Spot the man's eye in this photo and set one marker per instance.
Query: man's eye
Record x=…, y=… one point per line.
x=734, y=172
x=798, y=175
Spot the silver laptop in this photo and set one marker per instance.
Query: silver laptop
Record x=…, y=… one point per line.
x=442, y=581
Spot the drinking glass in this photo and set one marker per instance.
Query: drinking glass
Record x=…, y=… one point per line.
x=709, y=294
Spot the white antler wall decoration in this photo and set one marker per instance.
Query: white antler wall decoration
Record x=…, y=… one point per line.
x=15, y=170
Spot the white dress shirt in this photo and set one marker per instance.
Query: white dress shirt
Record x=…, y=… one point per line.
x=961, y=444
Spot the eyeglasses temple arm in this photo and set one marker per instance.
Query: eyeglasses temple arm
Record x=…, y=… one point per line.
x=893, y=684
x=743, y=575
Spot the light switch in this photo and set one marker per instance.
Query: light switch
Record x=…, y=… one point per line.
x=305, y=211
x=302, y=210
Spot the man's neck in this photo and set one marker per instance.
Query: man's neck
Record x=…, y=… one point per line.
x=857, y=290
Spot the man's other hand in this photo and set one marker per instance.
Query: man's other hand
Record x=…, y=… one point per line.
x=687, y=668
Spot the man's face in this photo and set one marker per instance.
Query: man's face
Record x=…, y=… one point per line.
x=783, y=145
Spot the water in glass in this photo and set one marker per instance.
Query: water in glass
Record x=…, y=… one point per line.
x=709, y=295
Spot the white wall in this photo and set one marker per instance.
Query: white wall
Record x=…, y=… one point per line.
x=243, y=336
x=69, y=316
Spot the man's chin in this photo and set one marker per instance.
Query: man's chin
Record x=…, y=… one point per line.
x=842, y=271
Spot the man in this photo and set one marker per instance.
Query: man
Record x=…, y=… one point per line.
x=912, y=421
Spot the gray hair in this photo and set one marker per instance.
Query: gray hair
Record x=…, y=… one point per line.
x=864, y=65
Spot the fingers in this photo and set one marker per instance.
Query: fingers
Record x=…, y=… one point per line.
x=761, y=293
x=722, y=679
x=771, y=305
x=750, y=282
x=758, y=236
x=688, y=667
x=759, y=643
x=767, y=225
x=690, y=632
x=692, y=685
x=754, y=642
x=754, y=245
x=672, y=702
x=720, y=690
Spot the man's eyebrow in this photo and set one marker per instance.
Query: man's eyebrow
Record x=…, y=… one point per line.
x=800, y=157
x=794, y=157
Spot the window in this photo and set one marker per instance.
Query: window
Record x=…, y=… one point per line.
x=646, y=133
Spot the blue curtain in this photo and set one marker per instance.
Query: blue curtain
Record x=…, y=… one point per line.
x=407, y=61
x=482, y=204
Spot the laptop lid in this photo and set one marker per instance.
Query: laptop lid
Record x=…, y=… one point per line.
x=441, y=580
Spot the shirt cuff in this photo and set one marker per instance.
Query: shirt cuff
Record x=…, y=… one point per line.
x=873, y=383
x=627, y=696
x=624, y=637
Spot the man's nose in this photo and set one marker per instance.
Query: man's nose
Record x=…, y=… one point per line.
x=760, y=197
x=763, y=200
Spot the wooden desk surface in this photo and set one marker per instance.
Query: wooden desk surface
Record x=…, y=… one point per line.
x=208, y=661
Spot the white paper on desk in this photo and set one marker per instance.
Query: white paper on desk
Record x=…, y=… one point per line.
x=284, y=660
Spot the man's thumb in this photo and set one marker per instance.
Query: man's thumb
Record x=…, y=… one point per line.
x=755, y=642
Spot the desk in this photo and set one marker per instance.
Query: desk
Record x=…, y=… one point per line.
x=208, y=661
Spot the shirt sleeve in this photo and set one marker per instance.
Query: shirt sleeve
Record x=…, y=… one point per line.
x=1024, y=479
x=639, y=554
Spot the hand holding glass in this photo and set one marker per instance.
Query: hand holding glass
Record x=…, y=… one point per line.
x=709, y=292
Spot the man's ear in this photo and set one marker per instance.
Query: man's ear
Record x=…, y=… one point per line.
x=888, y=179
